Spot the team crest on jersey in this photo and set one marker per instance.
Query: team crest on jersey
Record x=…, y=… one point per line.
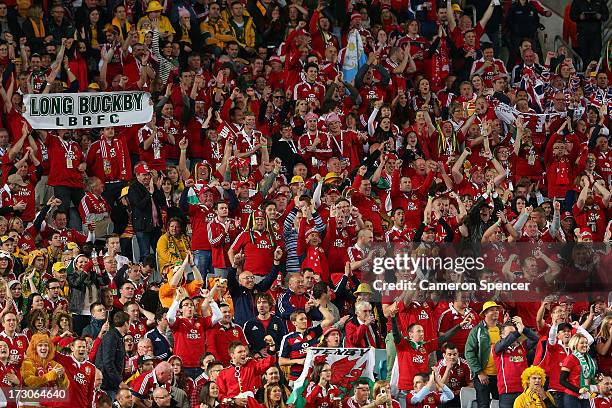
x=460, y=371
x=235, y=332
x=431, y=400
x=263, y=244
x=19, y=343
x=422, y=350
x=197, y=325
x=80, y=378
x=423, y=315
x=87, y=370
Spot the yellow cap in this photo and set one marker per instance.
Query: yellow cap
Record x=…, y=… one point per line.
x=58, y=266
x=363, y=288
x=329, y=177
x=489, y=304
x=296, y=179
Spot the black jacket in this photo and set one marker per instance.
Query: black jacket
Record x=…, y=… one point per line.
x=141, y=205
x=255, y=332
x=590, y=8
x=110, y=359
x=522, y=20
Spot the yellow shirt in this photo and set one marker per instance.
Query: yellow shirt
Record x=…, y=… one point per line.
x=94, y=36
x=491, y=369
x=530, y=399
x=164, y=24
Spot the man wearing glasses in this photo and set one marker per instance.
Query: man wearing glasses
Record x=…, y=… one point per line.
x=362, y=329
x=162, y=398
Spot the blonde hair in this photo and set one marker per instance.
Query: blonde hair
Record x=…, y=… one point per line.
x=604, y=329
x=575, y=340
x=529, y=372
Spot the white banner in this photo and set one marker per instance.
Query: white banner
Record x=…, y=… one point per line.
x=87, y=110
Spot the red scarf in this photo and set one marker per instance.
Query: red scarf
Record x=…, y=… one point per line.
x=440, y=66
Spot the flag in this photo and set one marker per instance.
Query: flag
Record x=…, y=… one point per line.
x=192, y=196
x=347, y=364
x=226, y=132
x=354, y=57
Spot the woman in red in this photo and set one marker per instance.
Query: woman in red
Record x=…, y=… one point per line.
x=603, y=346
x=320, y=391
x=578, y=373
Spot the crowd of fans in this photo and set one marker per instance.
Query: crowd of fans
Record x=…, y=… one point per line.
x=193, y=260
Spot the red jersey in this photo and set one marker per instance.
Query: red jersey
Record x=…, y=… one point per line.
x=399, y=235
x=460, y=375
x=110, y=160
x=258, y=250
x=411, y=360
x=552, y=363
x=175, y=129
x=336, y=244
x=592, y=216
x=218, y=339
x=51, y=305
x=311, y=92
x=457, y=35
x=368, y=207
x=319, y=397
x=571, y=362
x=138, y=330
x=200, y=216
x=144, y=384
x=247, y=207
x=81, y=376
x=490, y=71
x=18, y=344
x=27, y=195
x=450, y=318
x=189, y=336
x=220, y=237
x=601, y=402
x=232, y=382
x=155, y=155
x=510, y=363
x=432, y=400
x=93, y=207
x=64, y=160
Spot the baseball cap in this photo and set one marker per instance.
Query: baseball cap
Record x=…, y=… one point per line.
x=311, y=115
x=141, y=169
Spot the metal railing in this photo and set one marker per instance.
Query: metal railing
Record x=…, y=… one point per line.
x=579, y=63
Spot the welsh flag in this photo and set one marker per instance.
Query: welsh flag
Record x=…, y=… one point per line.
x=192, y=196
x=347, y=364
